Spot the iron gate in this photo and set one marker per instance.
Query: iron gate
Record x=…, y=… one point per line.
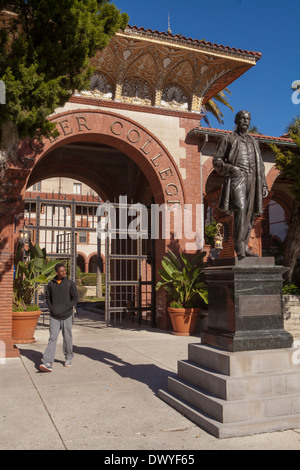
x=54, y=224
x=129, y=252
x=129, y=263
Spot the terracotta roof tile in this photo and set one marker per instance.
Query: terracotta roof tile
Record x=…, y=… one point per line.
x=220, y=47
x=282, y=139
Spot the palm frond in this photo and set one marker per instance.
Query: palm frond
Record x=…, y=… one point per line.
x=211, y=107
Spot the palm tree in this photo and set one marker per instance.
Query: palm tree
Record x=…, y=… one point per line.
x=254, y=130
x=212, y=106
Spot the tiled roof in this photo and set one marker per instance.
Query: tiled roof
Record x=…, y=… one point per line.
x=260, y=137
x=195, y=42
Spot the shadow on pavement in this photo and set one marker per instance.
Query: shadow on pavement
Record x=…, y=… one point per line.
x=149, y=374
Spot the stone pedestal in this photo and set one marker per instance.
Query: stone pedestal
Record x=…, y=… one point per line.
x=245, y=310
x=244, y=377
x=231, y=394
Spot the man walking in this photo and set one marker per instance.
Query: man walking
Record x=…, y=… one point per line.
x=238, y=158
x=61, y=296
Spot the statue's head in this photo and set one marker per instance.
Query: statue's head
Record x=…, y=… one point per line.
x=242, y=121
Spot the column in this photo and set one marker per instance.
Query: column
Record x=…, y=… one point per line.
x=7, y=211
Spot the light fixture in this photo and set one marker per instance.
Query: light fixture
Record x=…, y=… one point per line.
x=24, y=236
x=219, y=238
x=24, y=233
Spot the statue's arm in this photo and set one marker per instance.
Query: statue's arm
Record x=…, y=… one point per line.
x=220, y=160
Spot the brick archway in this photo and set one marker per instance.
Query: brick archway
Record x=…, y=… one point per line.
x=122, y=133
x=87, y=125
x=134, y=141
x=271, y=176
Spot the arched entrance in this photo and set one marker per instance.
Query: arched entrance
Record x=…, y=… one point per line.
x=94, y=147
x=109, y=131
x=277, y=213
x=115, y=156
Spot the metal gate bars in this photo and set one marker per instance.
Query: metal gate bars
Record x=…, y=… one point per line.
x=129, y=249
x=129, y=263
x=57, y=223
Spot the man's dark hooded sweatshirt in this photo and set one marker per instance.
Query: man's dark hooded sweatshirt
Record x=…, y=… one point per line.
x=61, y=297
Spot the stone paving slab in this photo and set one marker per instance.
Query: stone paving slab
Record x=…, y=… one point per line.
x=108, y=399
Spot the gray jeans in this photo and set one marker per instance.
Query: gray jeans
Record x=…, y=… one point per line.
x=54, y=328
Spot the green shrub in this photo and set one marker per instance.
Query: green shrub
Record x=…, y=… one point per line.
x=78, y=273
x=183, y=279
x=176, y=304
x=210, y=232
x=89, y=280
x=291, y=289
x=81, y=293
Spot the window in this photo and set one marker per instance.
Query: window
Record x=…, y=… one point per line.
x=77, y=188
x=30, y=207
x=37, y=186
x=82, y=238
x=277, y=221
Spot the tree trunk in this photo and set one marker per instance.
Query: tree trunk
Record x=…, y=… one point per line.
x=99, y=274
x=292, y=243
x=9, y=142
x=99, y=282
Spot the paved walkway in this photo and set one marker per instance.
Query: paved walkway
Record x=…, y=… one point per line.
x=107, y=400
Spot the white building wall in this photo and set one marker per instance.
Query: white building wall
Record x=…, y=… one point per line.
x=51, y=217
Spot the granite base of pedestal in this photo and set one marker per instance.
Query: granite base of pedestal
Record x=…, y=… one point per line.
x=247, y=340
x=231, y=394
x=245, y=306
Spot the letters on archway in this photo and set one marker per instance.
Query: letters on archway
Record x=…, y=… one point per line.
x=131, y=138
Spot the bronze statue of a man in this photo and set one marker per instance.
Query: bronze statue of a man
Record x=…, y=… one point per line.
x=238, y=158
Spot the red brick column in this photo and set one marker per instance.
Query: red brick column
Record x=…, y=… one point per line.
x=11, y=203
x=6, y=277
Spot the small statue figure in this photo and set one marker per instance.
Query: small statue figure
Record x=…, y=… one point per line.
x=238, y=158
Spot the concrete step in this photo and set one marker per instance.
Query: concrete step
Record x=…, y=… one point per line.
x=231, y=411
x=240, y=387
x=241, y=363
x=227, y=430
x=235, y=394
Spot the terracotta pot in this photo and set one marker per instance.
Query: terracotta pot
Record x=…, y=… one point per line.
x=24, y=325
x=183, y=320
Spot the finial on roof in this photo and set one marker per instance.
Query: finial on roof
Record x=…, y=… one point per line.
x=169, y=24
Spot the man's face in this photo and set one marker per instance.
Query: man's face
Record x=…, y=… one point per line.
x=243, y=123
x=61, y=273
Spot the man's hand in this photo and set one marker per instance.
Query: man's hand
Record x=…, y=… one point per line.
x=265, y=192
x=234, y=170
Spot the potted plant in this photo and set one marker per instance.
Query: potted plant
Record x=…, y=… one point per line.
x=182, y=280
x=32, y=269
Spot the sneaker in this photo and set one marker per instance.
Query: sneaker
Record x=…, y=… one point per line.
x=46, y=367
x=67, y=363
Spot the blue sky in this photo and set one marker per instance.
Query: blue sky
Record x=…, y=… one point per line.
x=267, y=26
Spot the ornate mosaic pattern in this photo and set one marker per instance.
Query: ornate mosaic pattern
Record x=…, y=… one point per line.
x=171, y=72
x=137, y=90
x=173, y=96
